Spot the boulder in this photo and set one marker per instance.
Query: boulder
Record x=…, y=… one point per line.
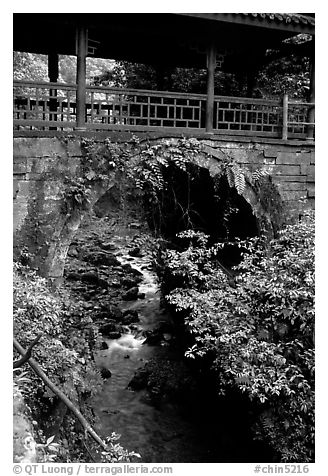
x=153, y=337
x=73, y=276
x=101, y=258
x=110, y=328
x=130, y=318
x=130, y=281
x=135, y=252
x=90, y=277
x=131, y=294
x=132, y=312
x=110, y=311
x=139, y=380
x=114, y=335
x=108, y=246
x=105, y=373
x=127, y=267
x=103, y=345
x=73, y=253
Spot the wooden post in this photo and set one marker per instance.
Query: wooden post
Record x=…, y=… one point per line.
x=53, y=72
x=310, y=115
x=211, y=63
x=81, y=77
x=285, y=117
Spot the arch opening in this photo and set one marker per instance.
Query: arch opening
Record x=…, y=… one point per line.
x=193, y=199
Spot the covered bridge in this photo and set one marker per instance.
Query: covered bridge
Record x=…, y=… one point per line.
x=232, y=42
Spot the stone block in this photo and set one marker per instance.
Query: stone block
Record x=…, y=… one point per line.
x=269, y=161
x=35, y=176
x=73, y=148
x=288, y=195
x=38, y=147
x=311, y=190
x=289, y=178
x=53, y=189
x=23, y=188
x=19, y=168
x=217, y=153
x=292, y=186
x=309, y=171
x=287, y=170
x=298, y=158
x=301, y=205
x=270, y=153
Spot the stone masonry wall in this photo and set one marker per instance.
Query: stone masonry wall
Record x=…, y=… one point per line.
x=290, y=166
x=42, y=165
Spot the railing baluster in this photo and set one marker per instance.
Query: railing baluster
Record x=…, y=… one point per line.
x=285, y=117
x=134, y=109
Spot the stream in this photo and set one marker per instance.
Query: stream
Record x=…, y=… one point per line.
x=160, y=433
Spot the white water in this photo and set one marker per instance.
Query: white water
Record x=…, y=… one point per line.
x=158, y=434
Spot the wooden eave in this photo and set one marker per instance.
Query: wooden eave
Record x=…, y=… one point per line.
x=164, y=39
x=258, y=21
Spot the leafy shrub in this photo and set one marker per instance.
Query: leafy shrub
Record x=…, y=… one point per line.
x=64, y=352
x=64, y=357
x=258, y=332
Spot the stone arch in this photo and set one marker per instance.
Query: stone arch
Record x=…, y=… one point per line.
x=65, y=229
x=42, y=166
x=266, y=220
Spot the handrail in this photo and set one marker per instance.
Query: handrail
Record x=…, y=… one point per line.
x=108, y=108
x=43, y=84
x=146, y=92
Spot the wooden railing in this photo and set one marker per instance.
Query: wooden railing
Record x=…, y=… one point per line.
x=49, y=106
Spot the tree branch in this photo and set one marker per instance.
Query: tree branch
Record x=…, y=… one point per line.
x=20, y=362
x=37, y=369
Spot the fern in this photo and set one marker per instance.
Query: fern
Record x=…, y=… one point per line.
x=230, y=177
x=259, y=175
x=239, y=178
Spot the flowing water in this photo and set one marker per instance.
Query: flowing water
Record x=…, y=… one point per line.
x=161, y=433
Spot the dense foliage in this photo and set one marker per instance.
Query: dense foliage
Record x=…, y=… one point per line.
x=257, y=330
x=276, y=74
x=65, y=354
x=31, y=66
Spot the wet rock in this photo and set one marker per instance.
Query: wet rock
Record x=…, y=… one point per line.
x=135, y=252
x=105, y=373
x=90, y=277
x=108, y=246
x=127, y=267
x=132, y=312
x=73, y=276
x=101, y=258
x=73, y=253
x=130, y=318
x=131, y=294
x=110, y=311
x=139, y=380
x=153, y=337
x=114, y=335
x=130, y=281
x=135, y=225
x=141, y=296
x=107, y=327
x=165, y=327
x=111, y=330
x=114, y=283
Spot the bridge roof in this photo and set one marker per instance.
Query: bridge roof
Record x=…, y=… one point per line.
x=160, y=38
